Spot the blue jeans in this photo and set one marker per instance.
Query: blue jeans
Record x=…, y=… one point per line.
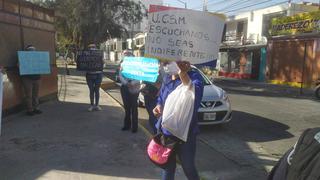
x=186, y=153
x=150, y=103
x=94, y=83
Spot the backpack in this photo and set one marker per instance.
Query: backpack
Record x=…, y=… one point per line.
x=302, y=162
x=305, y=162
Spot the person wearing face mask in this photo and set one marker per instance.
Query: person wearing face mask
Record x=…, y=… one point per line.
x=94, y=79
x=178, y=73
x=129, y=93
x=150, y=92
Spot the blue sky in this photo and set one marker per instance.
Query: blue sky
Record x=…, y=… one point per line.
x=230, y=6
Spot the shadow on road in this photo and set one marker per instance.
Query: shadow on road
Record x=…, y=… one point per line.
x=255, y=128
x=240, y=140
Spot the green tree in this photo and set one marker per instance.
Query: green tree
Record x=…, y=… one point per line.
x=82, y=22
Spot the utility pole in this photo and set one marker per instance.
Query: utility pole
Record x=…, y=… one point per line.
x=185, y=3
x=205, y=5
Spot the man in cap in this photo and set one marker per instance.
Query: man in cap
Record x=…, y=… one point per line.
x=31, y=84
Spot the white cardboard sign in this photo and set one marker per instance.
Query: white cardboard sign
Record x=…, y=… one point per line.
x=181, y=34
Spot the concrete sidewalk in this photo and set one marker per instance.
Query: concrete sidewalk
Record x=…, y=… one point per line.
x=67, y=142
x=261, y=88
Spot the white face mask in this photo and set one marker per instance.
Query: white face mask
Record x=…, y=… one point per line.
x=171, y=68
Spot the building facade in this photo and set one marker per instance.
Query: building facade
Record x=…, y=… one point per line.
x=245, y=39
x=294, y=50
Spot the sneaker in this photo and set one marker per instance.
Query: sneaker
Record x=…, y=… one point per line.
x=30, y=113
x=37, y=111
x=90, y=109
x=98, y=108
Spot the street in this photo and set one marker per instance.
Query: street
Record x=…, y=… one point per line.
x=246, y=71
x=264, y=126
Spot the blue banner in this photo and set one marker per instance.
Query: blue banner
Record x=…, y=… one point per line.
x=140, y=68
x=34, y=62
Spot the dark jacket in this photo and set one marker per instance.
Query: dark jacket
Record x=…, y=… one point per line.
x=305, y=163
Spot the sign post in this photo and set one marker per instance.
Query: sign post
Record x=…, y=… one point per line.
x=181, y=34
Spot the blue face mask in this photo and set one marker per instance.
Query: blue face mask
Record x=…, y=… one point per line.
x=171, y=68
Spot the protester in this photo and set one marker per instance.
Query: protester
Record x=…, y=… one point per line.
x=150, y=94
x=31, y=84
x=177, y=74
x=129, y=93
x=94, y=79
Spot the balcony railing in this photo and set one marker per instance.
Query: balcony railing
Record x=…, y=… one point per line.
x=240, y=39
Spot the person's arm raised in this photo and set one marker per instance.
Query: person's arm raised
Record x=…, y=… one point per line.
x=183, y=74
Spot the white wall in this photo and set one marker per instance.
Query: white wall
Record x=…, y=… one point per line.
x=255, y=26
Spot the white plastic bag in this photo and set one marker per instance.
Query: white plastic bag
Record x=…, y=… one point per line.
x=178, y=111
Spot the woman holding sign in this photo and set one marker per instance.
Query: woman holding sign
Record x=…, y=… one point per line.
x=129, y=92
x=94, y=80
x=179, y=73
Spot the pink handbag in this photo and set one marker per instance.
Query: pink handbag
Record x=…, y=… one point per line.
x=161, y=150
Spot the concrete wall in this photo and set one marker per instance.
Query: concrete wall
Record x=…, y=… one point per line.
x=20, y=26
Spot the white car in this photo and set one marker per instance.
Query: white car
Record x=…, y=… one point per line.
x=215, y=107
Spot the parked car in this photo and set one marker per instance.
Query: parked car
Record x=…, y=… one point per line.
x=215, y=107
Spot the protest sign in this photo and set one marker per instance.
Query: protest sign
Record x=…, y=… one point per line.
x=90, y=60
x=140, y=68
x=181, y=34
x=34, y=62
x=1, y=91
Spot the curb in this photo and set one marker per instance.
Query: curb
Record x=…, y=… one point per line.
x=145, y=131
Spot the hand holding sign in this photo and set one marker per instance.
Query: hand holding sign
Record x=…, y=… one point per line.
x=184, y=66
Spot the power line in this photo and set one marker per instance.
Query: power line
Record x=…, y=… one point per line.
x=209, y=4
x=233, y=5
x=263, y=2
